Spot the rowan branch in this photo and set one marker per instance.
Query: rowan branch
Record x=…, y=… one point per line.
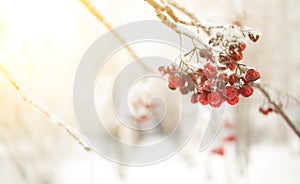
x=165, y=14
x=278, y=109
x=194, y=21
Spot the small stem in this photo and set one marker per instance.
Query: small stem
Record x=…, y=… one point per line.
x=279, y=110
x=188, y=53
x=195, y=21
x=183, y=10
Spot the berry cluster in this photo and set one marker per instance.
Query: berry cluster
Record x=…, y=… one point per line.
x=221, y=78
x=211, y=85
x=267, y=110
x=142, y=110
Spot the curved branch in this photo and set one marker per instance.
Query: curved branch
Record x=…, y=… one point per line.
x=278, y=109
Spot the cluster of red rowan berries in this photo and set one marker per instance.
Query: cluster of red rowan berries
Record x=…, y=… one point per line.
x=142, y=110
x=210, y=85
x=267, y=110
x=221, y=79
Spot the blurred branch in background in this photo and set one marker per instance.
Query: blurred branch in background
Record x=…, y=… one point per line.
x=278, y=109
x=93, y=10
x=43, y=109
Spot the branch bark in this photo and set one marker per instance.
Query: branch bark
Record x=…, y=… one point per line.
x=278, y=109
x=160, y=9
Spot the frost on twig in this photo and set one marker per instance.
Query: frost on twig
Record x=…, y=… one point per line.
x=44, y=110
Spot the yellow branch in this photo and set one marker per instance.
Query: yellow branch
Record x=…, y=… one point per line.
x=43, y=109
x=93, y=10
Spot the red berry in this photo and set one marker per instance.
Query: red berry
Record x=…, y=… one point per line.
x=231, y=65
x=222, y=68
x=264, y=111
x=233, y=101
x=229, y=92
x=230, y=138
x=175, y=81
x=246, y=82
x=203, y=98
x=223, y=76
x=233, y=78
x=218, y=151
x=171, y=86
x=203, y=78
x=270, y=109
x=242, y=46
x=194, y=98
x=162, y=70
x=214, y=99
x=246, y=91
x=252, y=75
x=253, y=37
x=206, y=88
x=236, y=56
x=209, y=70
x=200, y=70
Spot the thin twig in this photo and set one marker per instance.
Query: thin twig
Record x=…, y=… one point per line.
x=278, y=109
x=159, y=10
x=195, y=21
x=94, y=11
x=43, y=109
